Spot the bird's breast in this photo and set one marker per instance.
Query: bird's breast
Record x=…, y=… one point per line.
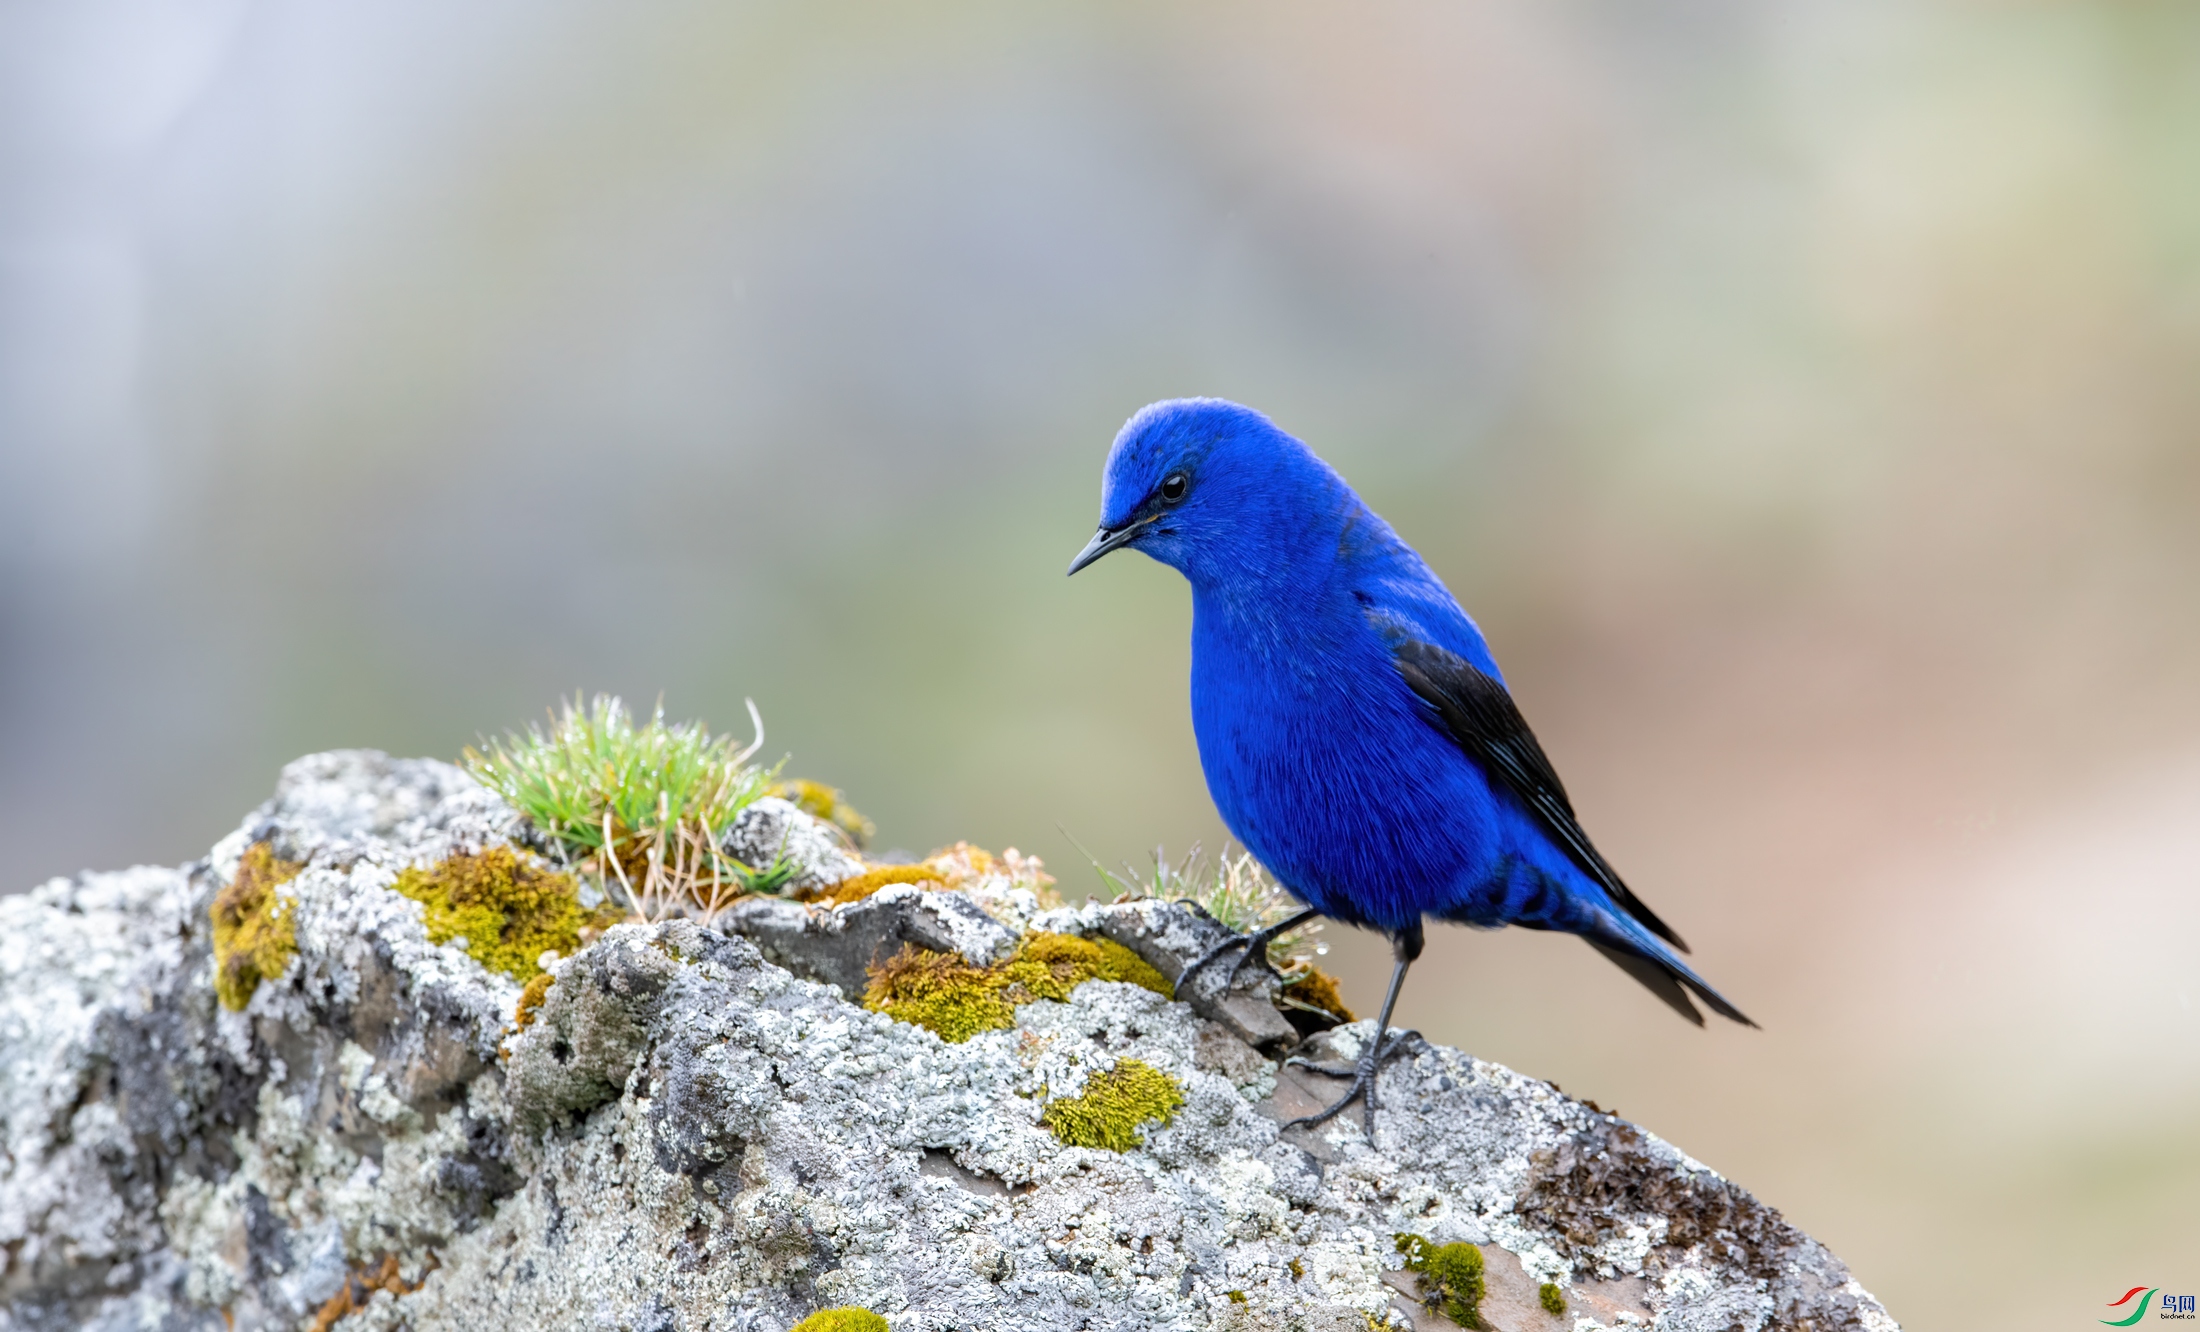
x=1320, y=763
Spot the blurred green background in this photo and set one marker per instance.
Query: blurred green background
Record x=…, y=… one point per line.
x=1805, y=396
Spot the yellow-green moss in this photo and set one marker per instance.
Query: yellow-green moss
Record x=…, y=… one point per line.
x=1317, y=989
x=827, y=803
x=1054, y=964
x=508, y=911
x=1113, y=1105
x=946, y=995
x=531, y=1000
x=939, y=992
x=870, y=881
x=254, y=935
x=1552, y=1298
x=1451, y=1277
x=841, y=1320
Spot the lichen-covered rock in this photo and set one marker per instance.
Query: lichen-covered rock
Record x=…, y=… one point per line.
x=695, y=1131
x=774, y=829
x=1170, y=935
x=839, y=945
x=167, y=1159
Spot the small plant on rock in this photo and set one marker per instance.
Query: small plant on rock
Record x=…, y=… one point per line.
x=1238, y=891
x=953, y=999
x=508, y=912
x=1114, y=1107
x=643, y=808
x=1451, y=1277
x=846, y=1319
x=254, y=936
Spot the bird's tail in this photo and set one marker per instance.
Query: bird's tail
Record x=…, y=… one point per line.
x=1645, y=957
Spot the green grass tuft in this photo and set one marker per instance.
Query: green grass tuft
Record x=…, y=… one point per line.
x=643, y=807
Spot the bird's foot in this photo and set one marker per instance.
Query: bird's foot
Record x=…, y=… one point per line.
x=1254, y=942
x=1362, y=1072
x=1199, y=964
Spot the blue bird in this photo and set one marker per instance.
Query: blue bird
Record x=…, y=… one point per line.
x=1356, y=734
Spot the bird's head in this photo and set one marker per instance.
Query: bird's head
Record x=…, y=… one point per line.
x=1204, y=486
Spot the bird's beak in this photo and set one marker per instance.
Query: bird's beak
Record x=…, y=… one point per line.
x=1104, y=541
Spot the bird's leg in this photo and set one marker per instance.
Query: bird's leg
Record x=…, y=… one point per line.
x=1255, y=945
x=1405, y=946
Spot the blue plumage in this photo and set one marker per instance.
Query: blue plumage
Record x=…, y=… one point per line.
x=1355, y=731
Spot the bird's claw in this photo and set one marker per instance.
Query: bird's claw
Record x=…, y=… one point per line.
x=1199, y=964
x=1254, y=942
x=1362, y=1072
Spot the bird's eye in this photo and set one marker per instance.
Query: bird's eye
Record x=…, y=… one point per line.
x=1174, y=485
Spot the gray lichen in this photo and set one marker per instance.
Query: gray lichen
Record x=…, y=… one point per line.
x=701, y=1130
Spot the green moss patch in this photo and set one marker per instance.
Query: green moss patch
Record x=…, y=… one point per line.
x=1114, y=1104
x=1054, y=964
x=1552, y=1298
x=508, y=911
x=254, y=935
x=841, y=1320
x=1450, y=1277
x=946, y=995
x=939, y=992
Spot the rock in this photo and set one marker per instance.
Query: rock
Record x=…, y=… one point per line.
x=688, y=1134
x=838, y=945
x=1171, y=934
x=772, y=829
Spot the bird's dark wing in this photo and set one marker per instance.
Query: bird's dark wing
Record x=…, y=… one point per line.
x=1660, y=980
x=1477, y=712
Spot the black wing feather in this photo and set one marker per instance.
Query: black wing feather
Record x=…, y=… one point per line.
x=1482, y=718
